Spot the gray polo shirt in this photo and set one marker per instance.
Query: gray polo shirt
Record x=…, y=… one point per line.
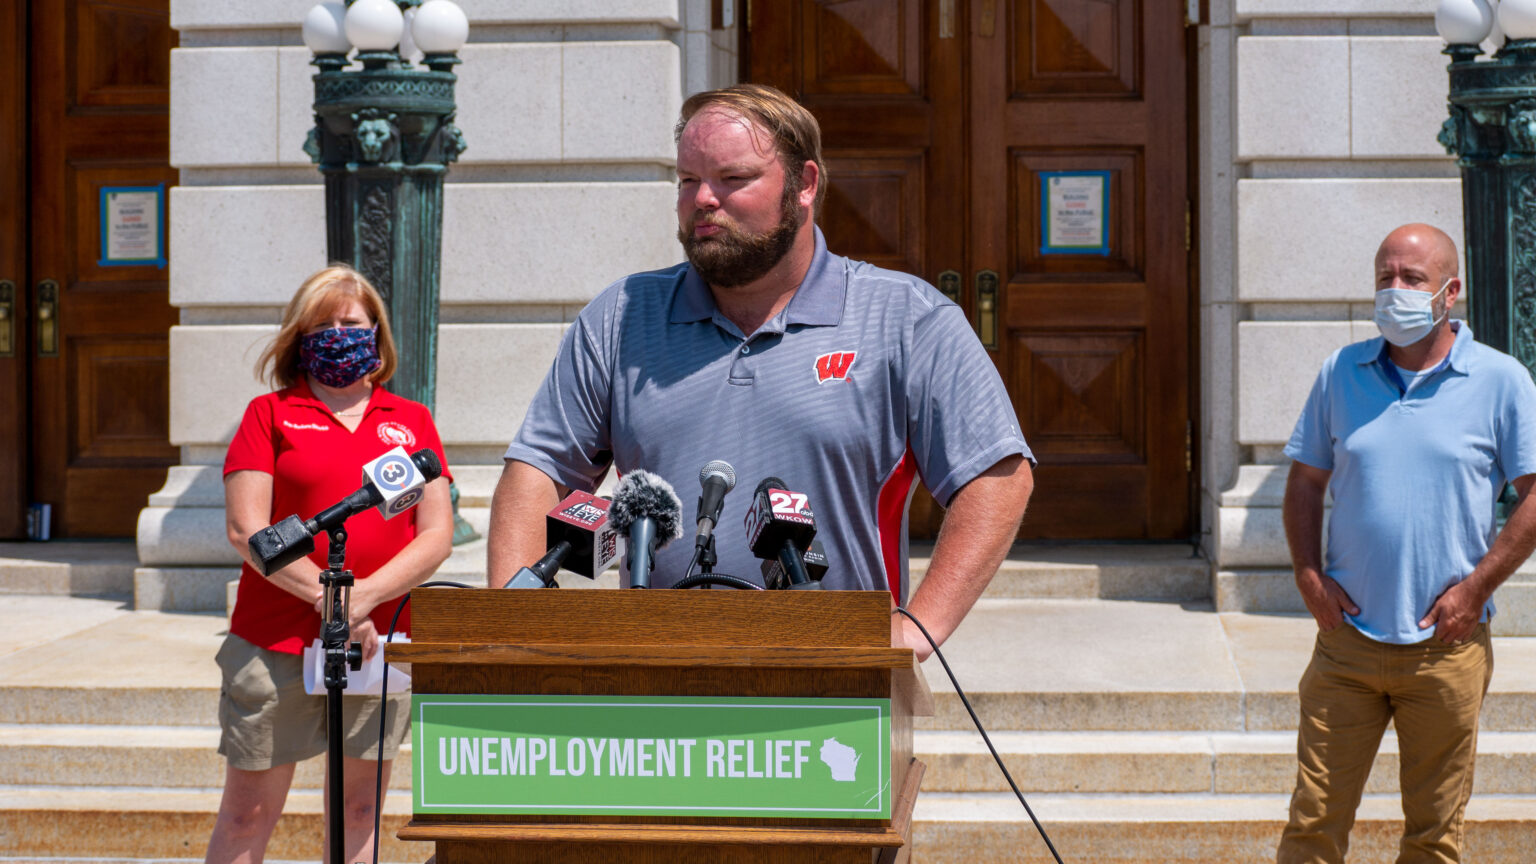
x=866, y=380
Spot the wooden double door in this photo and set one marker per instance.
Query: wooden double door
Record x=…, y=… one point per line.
x=84, y=313
x=1029, y=158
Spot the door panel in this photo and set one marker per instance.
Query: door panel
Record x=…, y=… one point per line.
x=1124, y=241
x=99, y=412
x=939, y=121
x=877, y=205
x=1076, y=47
x=14, y=286
x=1095, y=343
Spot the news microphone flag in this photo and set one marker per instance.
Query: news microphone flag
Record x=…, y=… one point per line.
x=399, y=482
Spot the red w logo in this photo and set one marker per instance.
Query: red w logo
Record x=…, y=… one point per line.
x=834, y=365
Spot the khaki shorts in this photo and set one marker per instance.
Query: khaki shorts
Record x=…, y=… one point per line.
x=266, y=719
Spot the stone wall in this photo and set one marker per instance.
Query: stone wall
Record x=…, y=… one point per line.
x=1318, y=124
x=567, y=107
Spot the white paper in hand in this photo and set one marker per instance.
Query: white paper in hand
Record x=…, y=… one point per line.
x=367, y=681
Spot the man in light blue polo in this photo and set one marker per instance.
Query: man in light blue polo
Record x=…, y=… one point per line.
x=1415, y=434
x=769, y=352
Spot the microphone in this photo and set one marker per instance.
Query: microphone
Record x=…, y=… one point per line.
x=815, y=559
x=780, y=524
x=717, y=478
x=579, y=537
x=645, y=510
x=393, y=483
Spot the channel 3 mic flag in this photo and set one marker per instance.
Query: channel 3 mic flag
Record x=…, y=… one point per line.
x=399, y=482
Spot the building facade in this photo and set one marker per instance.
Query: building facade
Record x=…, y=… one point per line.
x=1244, y=156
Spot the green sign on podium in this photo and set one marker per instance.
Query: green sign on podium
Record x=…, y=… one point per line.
x=644, y=755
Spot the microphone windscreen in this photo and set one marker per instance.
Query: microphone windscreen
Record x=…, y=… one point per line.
x=770, y=483
x=642, y=495
x=427, y=462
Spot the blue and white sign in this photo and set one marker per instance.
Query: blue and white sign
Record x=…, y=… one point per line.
x=1074, y=213
x=132, y=226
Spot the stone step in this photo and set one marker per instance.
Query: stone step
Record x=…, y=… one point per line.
x=1237, y=763
x=1084, y=572
x=161, y=757
x=1126, y=665
x=1188, y=829
x=1050, y=762
x=137, y=823
x=1074, y=665
x=78, y=567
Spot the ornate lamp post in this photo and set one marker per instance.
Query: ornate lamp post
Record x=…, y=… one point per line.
x=384, y=138
x=1492, y=129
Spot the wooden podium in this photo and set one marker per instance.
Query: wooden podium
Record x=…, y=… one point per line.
x=824, y=644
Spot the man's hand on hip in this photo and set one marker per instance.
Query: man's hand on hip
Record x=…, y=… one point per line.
x=1455, y=613
x=1325, y=599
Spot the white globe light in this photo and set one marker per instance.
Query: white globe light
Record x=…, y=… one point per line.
x=1517, y=18
x=324, y=30
x=440, y=27
x=374, y=25
x=1463, y=22
x=408, y=50
x=1495, y=39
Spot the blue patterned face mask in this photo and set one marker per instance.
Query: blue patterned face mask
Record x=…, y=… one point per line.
x=1405, y=315
x=340, y=356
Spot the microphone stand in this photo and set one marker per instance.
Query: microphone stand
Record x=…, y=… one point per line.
x=335, y=636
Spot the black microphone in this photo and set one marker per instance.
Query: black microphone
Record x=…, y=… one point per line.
x=393, y=483
x=717, y=478
x=815, y=560
x=647, y=511
x=779, y=525
x=579, y=537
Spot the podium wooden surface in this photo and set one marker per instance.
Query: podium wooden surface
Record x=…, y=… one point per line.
x=828, y=644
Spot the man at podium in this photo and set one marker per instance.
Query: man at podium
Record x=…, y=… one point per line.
x=768, y=351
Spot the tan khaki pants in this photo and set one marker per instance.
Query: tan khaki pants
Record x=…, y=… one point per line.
x=1432, y=693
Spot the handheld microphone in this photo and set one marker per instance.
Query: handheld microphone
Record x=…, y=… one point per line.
x=815, y=560
x=717, y=478
x=779, y=525
x=580, y=538
x=393, y=483
x=647, y=511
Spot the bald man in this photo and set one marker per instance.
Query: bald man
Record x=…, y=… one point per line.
x=1415, y=433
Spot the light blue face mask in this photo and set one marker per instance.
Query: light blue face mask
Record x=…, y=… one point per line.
x=1405, y=316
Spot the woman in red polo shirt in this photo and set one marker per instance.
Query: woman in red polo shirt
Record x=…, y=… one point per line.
x=299, y=450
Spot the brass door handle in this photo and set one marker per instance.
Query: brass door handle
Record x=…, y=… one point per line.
x=47, y=318
x=949, y=285
x=7, y=318
x=986, y=308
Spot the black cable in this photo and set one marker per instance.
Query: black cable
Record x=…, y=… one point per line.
x=979, y=728
x=693, y=562
x=378, y=774
x=718, y=579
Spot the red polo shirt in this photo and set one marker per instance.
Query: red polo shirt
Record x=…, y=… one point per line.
x=315, y=462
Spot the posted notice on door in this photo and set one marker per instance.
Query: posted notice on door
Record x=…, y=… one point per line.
x=1074, y=209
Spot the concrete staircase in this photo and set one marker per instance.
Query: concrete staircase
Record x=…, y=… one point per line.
x=1141, y=730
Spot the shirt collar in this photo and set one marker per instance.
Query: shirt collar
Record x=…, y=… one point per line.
x=817, y=302
x=300, y=393
x=1458, y=358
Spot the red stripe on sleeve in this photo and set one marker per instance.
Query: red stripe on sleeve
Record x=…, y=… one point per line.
x=890, y=510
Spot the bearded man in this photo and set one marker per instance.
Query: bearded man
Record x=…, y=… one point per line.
x=768, y=351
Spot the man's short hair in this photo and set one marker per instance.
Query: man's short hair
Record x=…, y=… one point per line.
x=796, y=134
